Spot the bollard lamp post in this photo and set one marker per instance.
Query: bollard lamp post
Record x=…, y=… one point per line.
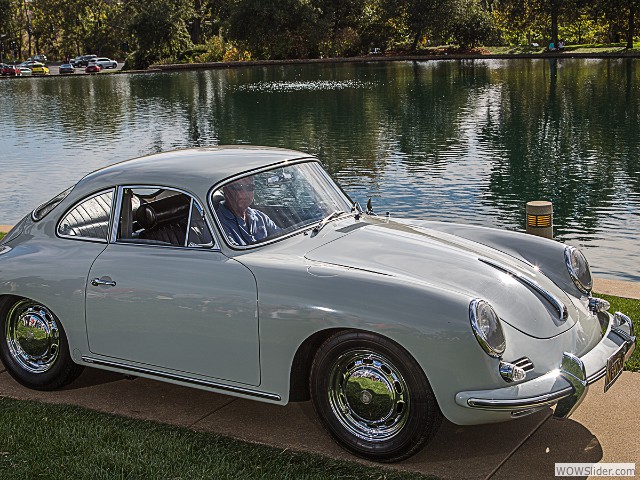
x=540, y=218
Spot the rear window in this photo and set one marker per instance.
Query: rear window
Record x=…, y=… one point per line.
x=42, y=211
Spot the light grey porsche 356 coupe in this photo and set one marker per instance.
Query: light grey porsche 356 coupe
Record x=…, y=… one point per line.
x=248, y=271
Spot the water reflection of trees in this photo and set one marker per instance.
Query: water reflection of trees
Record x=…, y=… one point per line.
x=562, y=130
x=570, y=138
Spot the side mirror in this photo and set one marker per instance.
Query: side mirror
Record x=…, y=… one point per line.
x=370, y=207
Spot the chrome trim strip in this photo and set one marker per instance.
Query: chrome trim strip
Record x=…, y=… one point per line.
x=521, y=403
x=563, y=313
x=594, y=377
x=186, y=237
x=182, y=378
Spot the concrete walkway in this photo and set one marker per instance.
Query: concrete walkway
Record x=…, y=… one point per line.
x=603, y=429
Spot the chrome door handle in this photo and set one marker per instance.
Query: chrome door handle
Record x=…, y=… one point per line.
x=98, y=281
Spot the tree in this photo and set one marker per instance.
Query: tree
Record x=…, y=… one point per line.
x=471, y=24
x=11, y=26
x=419, y=16
x=160, y=29
x=275, y=29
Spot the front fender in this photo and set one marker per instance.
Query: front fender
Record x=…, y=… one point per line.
x=432, y=324
x=547, y=255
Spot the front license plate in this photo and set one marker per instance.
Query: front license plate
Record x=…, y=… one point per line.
x=615, y=365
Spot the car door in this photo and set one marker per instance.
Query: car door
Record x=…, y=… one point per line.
x=163, y=296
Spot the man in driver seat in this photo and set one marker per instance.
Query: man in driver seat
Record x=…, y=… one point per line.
x=242, y=224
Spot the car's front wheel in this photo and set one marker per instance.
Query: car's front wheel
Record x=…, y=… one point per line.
x=373, y=397
x=33, y=345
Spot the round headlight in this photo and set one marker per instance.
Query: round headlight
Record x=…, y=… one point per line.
x=578, y=269
x=486, y=327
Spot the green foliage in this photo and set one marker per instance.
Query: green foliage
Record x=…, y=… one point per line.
x=631, y=308
x=160, y=29
x=166, y=30
x=471, y=25
x=274, y=29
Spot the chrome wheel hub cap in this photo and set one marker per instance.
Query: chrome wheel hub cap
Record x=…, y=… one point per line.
x=368, y=395
x=32, y=336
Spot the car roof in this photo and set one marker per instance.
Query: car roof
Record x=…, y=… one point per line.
x=194, y=170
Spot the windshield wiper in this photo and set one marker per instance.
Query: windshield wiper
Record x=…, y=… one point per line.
x=327, y=219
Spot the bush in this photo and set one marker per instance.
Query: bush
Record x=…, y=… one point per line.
x=235, y=55
x=345, y=44
x=190, y=55
x=214, y=51
x=471, y=25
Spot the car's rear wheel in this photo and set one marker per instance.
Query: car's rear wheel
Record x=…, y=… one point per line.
x=373, y=397
x=34, y=347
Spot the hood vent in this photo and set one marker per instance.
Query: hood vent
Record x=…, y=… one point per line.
x=560, y=307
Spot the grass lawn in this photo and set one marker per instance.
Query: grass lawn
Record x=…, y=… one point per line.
x=38, y=440
x=618, y=48
x=631, y=308
x=2, y=234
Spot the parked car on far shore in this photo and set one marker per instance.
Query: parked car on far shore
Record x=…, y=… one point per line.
x=66, y=68
x=24, y=71
x=104, y=62
x=92, y=68
x=9, y=70
x=84, y=60
x=39, y=69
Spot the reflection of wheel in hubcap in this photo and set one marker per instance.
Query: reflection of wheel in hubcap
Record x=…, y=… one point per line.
x=368, y=395
x=32, y=336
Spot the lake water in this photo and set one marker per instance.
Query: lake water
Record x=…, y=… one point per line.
x=467, y=141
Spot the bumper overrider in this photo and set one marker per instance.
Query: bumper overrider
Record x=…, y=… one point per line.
x=567, y=386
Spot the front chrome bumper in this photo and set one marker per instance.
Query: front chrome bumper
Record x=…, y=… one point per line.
x=566, y=386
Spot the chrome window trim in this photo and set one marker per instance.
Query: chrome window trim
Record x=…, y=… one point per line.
x=560, y=307
x=116, y=217
x=182, y=378
x=79, y=202
x=64, y=194
x=285, y=163
x=186, y=237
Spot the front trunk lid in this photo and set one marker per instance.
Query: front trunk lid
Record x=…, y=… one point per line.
x=521, y=295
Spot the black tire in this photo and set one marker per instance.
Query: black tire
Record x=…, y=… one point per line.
x=373, y=397
x=34, y=347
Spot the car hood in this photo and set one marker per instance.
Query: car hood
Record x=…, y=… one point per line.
x=518, y=291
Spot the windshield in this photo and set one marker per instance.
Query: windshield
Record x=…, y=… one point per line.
x=266, y=205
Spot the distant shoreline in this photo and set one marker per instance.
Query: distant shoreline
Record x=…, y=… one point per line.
x=425, y=57
x=385, y=58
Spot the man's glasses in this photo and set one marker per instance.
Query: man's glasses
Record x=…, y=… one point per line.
x=246, y=187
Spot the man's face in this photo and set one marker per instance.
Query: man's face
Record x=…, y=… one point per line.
x=240, y=193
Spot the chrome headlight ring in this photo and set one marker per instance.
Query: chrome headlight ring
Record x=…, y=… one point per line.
x=487, y=328
x=578, y=268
